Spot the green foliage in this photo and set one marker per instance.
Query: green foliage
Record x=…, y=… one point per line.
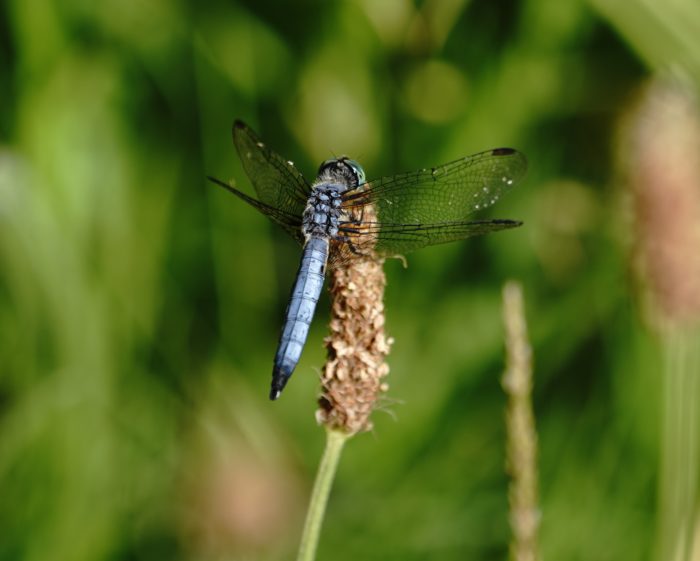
x=140, y=306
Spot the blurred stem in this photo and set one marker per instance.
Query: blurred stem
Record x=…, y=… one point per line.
x=680, y=444
x=335, y=440
x=521, y=448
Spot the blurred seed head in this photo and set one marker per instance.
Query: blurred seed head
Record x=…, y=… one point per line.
x=660, y=154
x=521, y=449
x=240, y=497
x=240, y=505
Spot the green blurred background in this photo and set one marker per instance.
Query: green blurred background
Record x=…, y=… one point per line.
x=140, y=306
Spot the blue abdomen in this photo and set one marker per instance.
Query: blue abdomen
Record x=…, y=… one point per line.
x=300, y=311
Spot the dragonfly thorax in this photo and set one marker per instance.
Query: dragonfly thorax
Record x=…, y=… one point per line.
x=323, y=213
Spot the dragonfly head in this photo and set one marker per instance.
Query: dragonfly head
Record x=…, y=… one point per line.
x=343, y=171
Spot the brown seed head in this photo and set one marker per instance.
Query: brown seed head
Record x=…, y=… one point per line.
x=357, y=345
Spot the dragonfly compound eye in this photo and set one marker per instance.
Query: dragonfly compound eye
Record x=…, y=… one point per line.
x=357, y=170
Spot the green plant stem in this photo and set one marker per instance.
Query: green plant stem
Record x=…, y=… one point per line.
x=319, y=495
x=680, y=458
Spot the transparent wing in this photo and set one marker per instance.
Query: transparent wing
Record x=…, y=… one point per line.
x=404, y=212
x=290, y=222
x=277, y=182
x=394, y=240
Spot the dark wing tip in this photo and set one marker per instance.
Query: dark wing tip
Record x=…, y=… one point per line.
x=238, y=128
x=520, y=167
x=507, y=223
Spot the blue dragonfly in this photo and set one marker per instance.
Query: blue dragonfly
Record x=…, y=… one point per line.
x=341, y=216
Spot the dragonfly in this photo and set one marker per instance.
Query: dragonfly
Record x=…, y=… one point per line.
x=341, y=216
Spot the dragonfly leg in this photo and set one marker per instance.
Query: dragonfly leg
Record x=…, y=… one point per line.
x=349, y=244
